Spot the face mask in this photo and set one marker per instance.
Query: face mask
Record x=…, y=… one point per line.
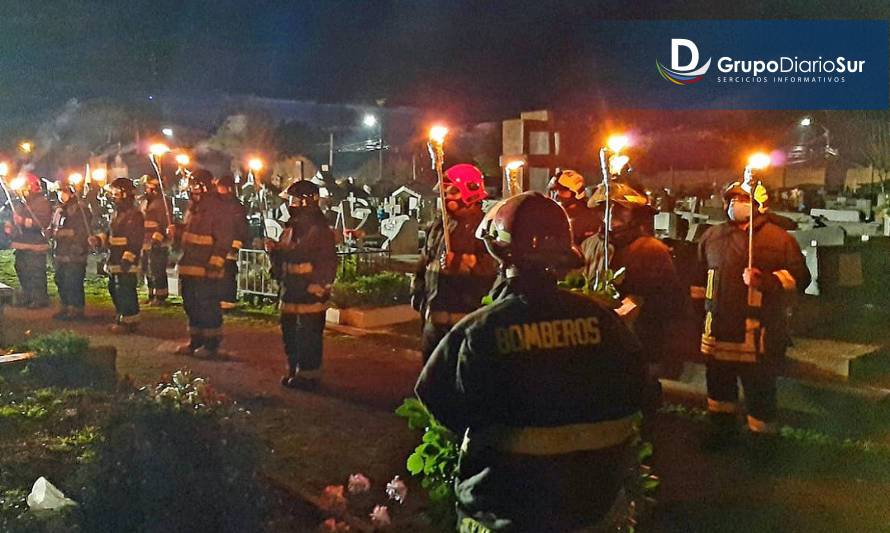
x=739, y=211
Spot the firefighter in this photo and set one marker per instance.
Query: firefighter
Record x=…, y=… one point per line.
x=567, y=188
x=304, y=261
x=448, y=285
x=71, y=233
x=124, y=243
x=544, y=384
x=156, y=243
x=225, y=188
x=31, y=218
x=650, y=289
x=745, y=332
x=206, y=240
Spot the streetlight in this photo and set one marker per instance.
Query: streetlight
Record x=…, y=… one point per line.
x=370, y=121
x=806, y=121
x=26, y=147
x=168, y=132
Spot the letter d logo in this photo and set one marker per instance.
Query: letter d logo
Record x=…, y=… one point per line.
x=683, y=74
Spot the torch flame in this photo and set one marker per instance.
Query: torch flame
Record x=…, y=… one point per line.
x=76, y=178
x=617, y=142
x=26, y=147
x=437, y=134
x=99, y=175
x=513, y=166
x=158, y=149
x=255, y=164
x=182, y=159
x=617, y=163
x=4, y=169
x=18, y=183
x=758, y=161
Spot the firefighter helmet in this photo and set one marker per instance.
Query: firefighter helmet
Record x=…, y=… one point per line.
x=530, y=230
x=621, y=194
x=468, y=181
x=738, y=188
x=33, y=182
x=201, y=180
x=571, y=180
x=149, y=182
x=301, y=193
x=226, y=180
x=122, y=187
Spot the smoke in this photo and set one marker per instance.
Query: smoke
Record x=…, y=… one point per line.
x=50, y=132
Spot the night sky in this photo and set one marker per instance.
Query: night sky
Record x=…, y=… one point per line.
x=479, y=59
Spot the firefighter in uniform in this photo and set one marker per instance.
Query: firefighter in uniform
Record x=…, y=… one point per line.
x=745, y=331
x=205, y=241
x=71, y=233
x=544, y=385
x=156, y=244
x=124, y=243
x=31, y=218
x=650, y=287
x=304, y=261
x=225, y=188
x=567, y=188
x=447, y=286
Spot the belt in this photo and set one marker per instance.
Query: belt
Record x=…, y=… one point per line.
x=557, y=440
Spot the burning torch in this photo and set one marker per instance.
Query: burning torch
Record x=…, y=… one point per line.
x=512, y=172
x=155, y=152
x=611, y=168
x=4, y=171
x=756, y=162
x=76, y=179
x=254, y=165
x=437, y=154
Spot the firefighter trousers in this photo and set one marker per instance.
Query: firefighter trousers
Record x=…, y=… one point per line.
x=430, y=337
x=759, y=382
x=30, y=267
x=303, y=341
x=122, y=288
x=69, y=279
x=200, y=299
x=230, y=282
x=154, y=264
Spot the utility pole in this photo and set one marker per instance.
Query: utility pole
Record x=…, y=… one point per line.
x=331, y=154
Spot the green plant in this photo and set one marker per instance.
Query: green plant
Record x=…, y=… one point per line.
x=434, y=460
x=183, y=392
x=603, y=287
x=60, y=360
x=376, y=290
x=61, y=344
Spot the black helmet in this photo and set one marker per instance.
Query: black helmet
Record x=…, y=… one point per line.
x=226, y=180
x=125, y=185
x=301, y=193
x=201, y=180
x=530, y=230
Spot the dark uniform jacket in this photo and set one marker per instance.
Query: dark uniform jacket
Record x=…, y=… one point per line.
x=155, y=223
x=436, y=290
x=241, y=233
x=546, y=385
x=30, y=234
x=733, y=330
x=304, y=261
x=124, y=242
x=71, y=223
x=206, y=238
x=650, y=280
x=585, y=221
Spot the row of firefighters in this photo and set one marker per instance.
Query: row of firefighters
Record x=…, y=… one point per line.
x=544, y=384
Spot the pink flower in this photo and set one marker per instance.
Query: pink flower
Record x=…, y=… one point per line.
x=331, y=525
x=332, y=499
x=358, y=484
x=380, y=516
x=396, y=490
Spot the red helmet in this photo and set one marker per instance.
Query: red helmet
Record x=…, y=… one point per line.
x=468, y=180
x=530, y=230
x=33, y=182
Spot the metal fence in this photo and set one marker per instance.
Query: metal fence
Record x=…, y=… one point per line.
x=255, y=279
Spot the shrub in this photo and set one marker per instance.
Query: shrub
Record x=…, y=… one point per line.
x=167, y=465
x=61, y=360
x=377, y=290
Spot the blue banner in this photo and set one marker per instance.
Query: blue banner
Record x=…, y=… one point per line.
x=747, y=64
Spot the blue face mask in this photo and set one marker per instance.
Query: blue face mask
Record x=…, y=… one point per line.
x=739, y=211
